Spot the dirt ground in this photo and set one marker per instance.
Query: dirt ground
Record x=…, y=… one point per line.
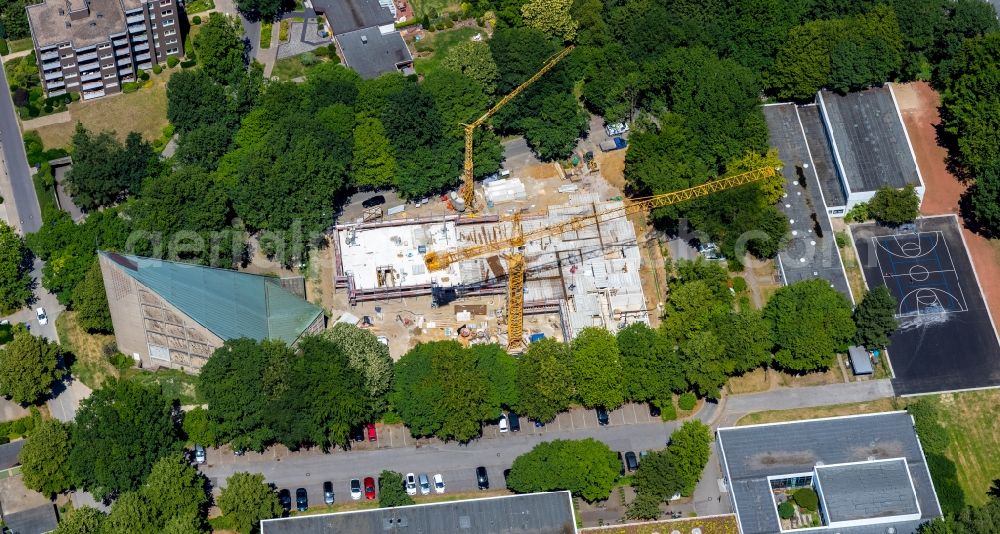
x=918, y=103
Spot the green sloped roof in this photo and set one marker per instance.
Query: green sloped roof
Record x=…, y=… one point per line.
x=230, y=304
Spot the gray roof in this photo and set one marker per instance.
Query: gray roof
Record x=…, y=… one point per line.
x=49, y=28
x=867, y=490
x=750, y=454
x=350, y=15
x=822, y=156
x=38, y=520
x=860, y=361
x=9, y=453
x=380, y=54
x=870, y=140
x=533, y=513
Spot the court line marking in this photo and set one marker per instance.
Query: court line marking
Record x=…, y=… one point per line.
x=926, y=272
x=895, y=239
x=938, y=238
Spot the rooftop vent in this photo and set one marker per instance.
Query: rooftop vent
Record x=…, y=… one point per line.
x=93, y=24
x=100, y=15
x=364, y=39
x=62, y=11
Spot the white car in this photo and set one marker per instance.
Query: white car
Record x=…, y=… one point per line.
x=617, y=128
x=504, y=426
x=42, y=318
x=438, y=483
x=383, y=340
x=355, y=489
x=411, y=484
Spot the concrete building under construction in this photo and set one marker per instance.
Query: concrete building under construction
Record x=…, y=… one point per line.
x=587, y=277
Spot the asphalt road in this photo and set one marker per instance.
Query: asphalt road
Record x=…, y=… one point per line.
x=517, y=154
x=16, y=162
x=456, y=462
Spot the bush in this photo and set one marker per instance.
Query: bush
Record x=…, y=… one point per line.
x=188, y=64
x=130, y=87
x=283, y=30
x=841, y=238
x=321, y=52
x=806, y=498
x=668, y=412
x=121, y=361
x=196, y=20
x=47, y=108
x=3, y=47
x=74, y=97
x=739, y=284
x=308, y=59
x=455, y=15
x=894, y=207
x=687, y=401
x=407, y=23
x=33, y=111
x=449, y=24
x=439, y=26
x=859, y=213
x=144, y=75
x=786, y=510
x=157, y=68
x=172, y=61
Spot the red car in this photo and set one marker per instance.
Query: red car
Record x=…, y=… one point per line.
x=371, y=432
x=369, y=488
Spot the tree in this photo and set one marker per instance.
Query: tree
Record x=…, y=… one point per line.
x=544, y=380
x=368, y=356
x=704, y=366
x=391, y=490
x=644, y=506
x=119, y=433
x=875, y=318
x=83, y=520
x=43, y=458
x=246, y=499
x=194, y=99
x=374, y=162
x=597, y=369
x=587, y=468
x=15, y=272
x=658, y=477
x=196, y=426
x=970, y=103
x=205, y=145
x=441, y=391
x=104, y=171
x=748, y=341
x=241, y=383
x=261, y=9
x=651, y=370
x=28, y=367
x=551, y=17
x=473, y=59
x=811, y=322
x=175, y=489
x=689, y=451
x=221, y=49
x=981, y=519
x=91, y=302
x=984, y=207
x=130, y=509
x=553, y=132
x=894, y=207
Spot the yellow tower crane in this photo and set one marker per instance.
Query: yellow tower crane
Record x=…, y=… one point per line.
x=516, y=265
x=468, y=185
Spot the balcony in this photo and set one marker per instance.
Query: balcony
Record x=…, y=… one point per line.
x=91, y=76
x=52, y=65
x=135, y=28
x=90, y=86
x=120, y=42
x=53, y=75
x=142, y=57
x=133, y=19
x=142, y=47
x=49, y=56
x=146, y=66
x=125, y=72
x=124, y=61
x=87, y=95
x=57, y=93
x=84, y=58
x=141, y=38
x=55, y=85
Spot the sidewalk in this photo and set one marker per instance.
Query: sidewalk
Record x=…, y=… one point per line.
x=8, y=210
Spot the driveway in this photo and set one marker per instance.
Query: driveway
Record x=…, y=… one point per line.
x=517, y=154
x=66, y=399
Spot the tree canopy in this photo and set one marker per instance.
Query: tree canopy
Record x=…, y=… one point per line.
x=875, y=318
x=43, y=458
x=246, y=499
x=812, y=321
x=28, y=367
x=15, y=272
x=221, y=49
x=105, y=171
x=391, y=490
x=544, y=380
x=586, y=467
x=597, y=368
x=894, y=207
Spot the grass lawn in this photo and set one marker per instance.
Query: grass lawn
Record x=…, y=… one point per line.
x=265, y=35
x=798, y=414
x=144, y=111
x=289, y=68
x=198, y=6
x=853, y=270
x=971, y=420
x=725, y=524
x=90, y=366
x=437, y=45
x=176, y=384
x=20, y=45
x=424, y=6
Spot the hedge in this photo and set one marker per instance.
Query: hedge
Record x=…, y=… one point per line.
x=188, y=64
x=407, y=23
x=172, y=61
x=3, y=47
x=130, y=87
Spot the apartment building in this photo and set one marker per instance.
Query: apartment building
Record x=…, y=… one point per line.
x=94, y=46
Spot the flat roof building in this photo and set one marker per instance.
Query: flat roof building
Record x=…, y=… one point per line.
x=175, y=315
x=366, y=33
x=868, y=471
x=91, y=47
x=531, y=513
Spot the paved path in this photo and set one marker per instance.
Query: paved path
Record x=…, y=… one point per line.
x=67, y=399
x=804, y=397
x=23, y=209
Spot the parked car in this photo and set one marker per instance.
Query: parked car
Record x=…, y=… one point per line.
x=425, y=484
x=301, y=500
x=355, y=489
x=42, y=318
x=515, y=422
x=376, y=200
x=199, y=454
x=615, y=143
x=503, y=423
x=482, y=479
x=602, y=415
x=328, y=492
x=371, y=432
x=630, y=461
x=539, y=424
x=383, y=340
x=654, y=410
x=411, y=484
x=370, y=488
x=438, y=483
x=617, y=128
x=358, y=433
x=621, y=471
x=286, y=500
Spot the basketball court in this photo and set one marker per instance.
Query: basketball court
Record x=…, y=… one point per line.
x=946, y=340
